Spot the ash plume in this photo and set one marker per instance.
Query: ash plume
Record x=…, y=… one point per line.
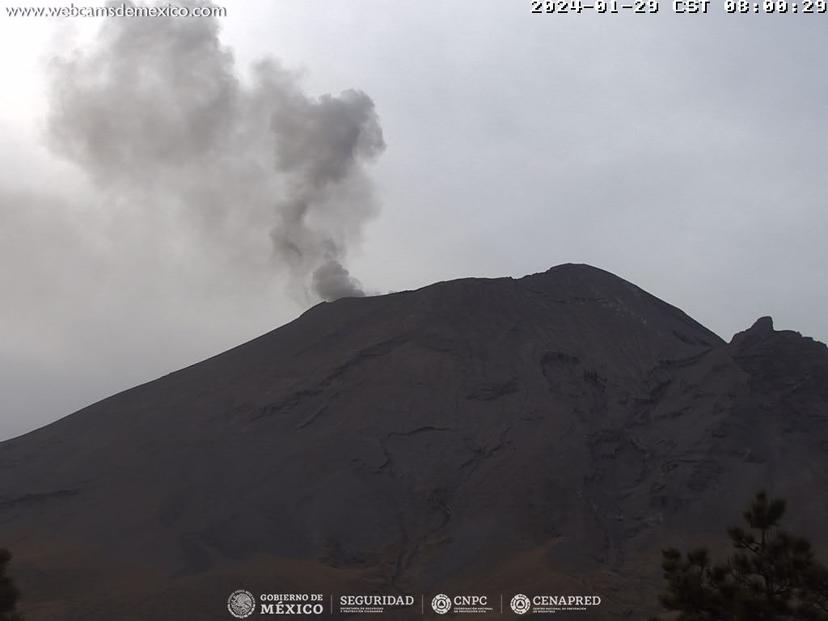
x=157, y=115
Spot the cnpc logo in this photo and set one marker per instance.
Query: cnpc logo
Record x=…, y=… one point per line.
x=442, y=603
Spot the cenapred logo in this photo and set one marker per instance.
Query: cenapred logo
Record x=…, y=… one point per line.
x=552, y=604
x=520, y=604
x=441, y=603
x=241, y=604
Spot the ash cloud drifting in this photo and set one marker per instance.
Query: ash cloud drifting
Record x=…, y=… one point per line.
x=157, y=115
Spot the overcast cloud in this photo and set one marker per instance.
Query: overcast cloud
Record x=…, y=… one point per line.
x=684, y=153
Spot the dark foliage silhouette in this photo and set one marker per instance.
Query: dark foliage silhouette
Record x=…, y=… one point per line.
x=772, y=575
x=8, y=592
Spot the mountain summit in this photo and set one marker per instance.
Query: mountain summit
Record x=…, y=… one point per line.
x=543, y=434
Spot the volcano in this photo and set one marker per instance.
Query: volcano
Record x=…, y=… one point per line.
x=547, y=434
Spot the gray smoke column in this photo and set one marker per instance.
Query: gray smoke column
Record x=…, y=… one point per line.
x=156, y=114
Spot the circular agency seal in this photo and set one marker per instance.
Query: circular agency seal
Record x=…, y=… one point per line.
x=241, y=604
x=441, y=604
x=520, y=604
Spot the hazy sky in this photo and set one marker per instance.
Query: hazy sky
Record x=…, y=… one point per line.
x=685, y=153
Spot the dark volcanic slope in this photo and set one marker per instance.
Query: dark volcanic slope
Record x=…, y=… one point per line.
x=505, y=435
